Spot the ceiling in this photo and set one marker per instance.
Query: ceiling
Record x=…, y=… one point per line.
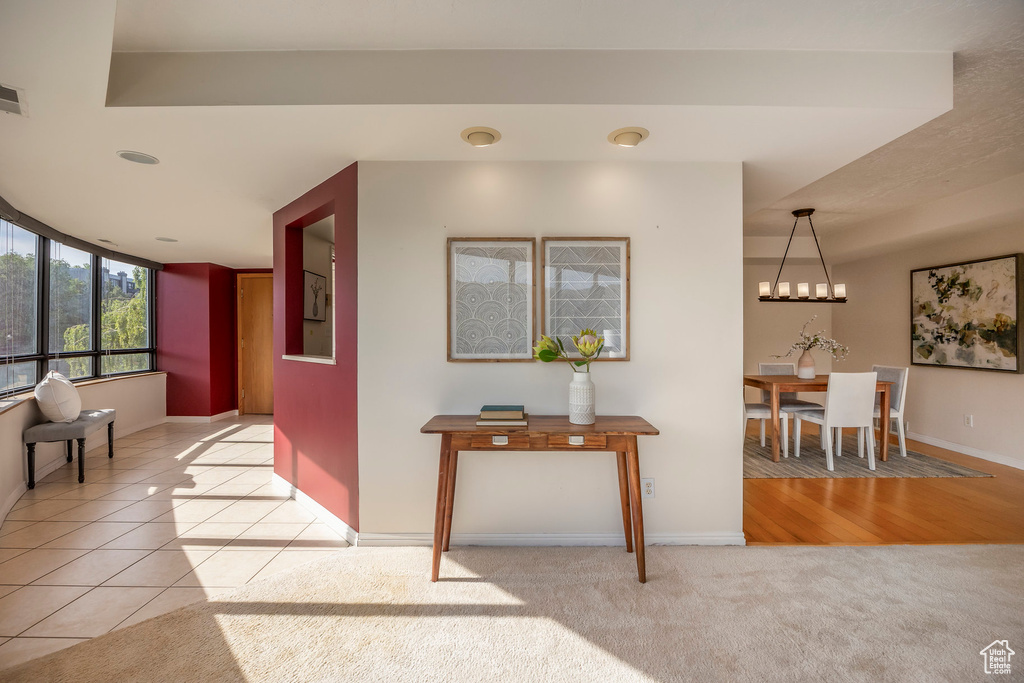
x=225, y=167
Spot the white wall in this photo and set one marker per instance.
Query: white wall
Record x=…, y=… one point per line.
x=685, y=224
x=876, y=324
x=140, y=401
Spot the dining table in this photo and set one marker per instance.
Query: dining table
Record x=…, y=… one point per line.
x=776, y=385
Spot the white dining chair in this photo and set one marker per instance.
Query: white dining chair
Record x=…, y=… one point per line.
x=849, y=402
x=788, y=401
x=762, y=412
x=898, y=397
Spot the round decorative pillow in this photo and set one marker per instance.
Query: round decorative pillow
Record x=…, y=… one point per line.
x=58, y=398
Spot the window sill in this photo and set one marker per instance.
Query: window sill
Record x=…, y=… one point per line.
x=16, y=399
x=322, y=360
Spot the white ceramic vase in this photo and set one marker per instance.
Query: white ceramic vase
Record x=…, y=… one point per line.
x=581, y=399
x=805, y=366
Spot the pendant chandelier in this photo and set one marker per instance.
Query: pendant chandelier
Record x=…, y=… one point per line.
x=824, y=293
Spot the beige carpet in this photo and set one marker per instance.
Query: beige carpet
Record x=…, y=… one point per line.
x=895, y=613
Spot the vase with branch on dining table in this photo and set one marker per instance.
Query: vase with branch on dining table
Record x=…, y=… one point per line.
x=805, y=368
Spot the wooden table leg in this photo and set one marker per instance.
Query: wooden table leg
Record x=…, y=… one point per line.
x=439, y=507
x=453, y=463
x=633, y=467
x=775, y=423
x=883, y=412
x=627, y=520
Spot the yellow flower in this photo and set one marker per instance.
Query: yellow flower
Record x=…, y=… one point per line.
x=546, y=343
x=588, y=343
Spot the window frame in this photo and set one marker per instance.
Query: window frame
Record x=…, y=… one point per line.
x=42, y=355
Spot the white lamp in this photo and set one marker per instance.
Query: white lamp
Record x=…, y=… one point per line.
x=821, y=290
x=764, y=289
x=783, y=290
x=840, y=292
x=803, y=290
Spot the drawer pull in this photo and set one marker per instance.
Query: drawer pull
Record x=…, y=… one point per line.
x=499, y=440
x=576, y=440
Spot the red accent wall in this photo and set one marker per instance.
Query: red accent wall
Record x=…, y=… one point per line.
x=196, y=337
x=315, y=419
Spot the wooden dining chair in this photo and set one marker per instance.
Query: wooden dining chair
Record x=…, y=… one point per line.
x=849, y=402
x=898, y=392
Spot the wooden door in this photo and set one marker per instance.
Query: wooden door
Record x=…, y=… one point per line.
x=255, y=343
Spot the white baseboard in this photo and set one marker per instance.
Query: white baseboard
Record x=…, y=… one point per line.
x=202, y=419
x=323, y=514
x=367, y=538
x=967, y=450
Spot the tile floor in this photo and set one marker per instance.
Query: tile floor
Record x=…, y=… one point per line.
x=181, y=513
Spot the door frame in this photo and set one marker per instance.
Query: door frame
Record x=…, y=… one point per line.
x=239, y=277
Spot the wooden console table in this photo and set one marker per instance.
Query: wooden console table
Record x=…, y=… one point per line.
x=543, y=433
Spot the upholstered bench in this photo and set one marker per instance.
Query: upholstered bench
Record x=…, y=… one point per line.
x=88, y=422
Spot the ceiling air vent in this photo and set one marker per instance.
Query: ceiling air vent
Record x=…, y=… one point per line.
x=10, y=100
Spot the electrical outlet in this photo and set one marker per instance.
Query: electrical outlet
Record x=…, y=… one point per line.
x=647, y=488
x=968, y=420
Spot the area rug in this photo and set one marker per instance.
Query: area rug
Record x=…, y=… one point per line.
x=757, y=463
x=893, y=613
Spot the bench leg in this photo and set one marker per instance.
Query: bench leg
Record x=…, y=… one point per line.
x=81, y=461
x=31, y=465
x=110, y=440
x=70, y=457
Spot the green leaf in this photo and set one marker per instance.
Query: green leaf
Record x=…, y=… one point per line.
x=546, y=355
x=560, y=344
x=580, y=363
x=599, y=350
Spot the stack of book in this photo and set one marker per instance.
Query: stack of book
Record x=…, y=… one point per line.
x=502, y=416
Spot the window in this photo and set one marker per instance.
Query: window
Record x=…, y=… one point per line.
x=124, y=317
x=70, y=311
x=19, y=305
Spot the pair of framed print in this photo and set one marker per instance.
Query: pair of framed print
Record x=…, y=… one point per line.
x=492, y=295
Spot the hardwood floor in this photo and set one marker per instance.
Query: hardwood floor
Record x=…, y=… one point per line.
x=888, y=511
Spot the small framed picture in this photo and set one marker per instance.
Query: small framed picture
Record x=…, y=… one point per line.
x=967, y=315
x=586, y=286
x=490, y=298
x=314, y=297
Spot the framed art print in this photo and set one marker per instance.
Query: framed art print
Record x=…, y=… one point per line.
x=586, y=286
x=314, y=296
x=490, y=298
x=967, y=315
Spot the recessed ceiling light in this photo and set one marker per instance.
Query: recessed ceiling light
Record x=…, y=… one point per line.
x=478, y=136
x=100, y=239
x=138, y=157
x=628, y=137
x=166, y=239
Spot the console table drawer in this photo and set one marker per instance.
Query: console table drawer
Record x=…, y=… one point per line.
x=509, y=441
x=570, y=441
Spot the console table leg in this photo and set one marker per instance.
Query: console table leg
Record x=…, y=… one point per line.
x=627, y=521
x=439, y=507
x=633, y=466
x=453, y=464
